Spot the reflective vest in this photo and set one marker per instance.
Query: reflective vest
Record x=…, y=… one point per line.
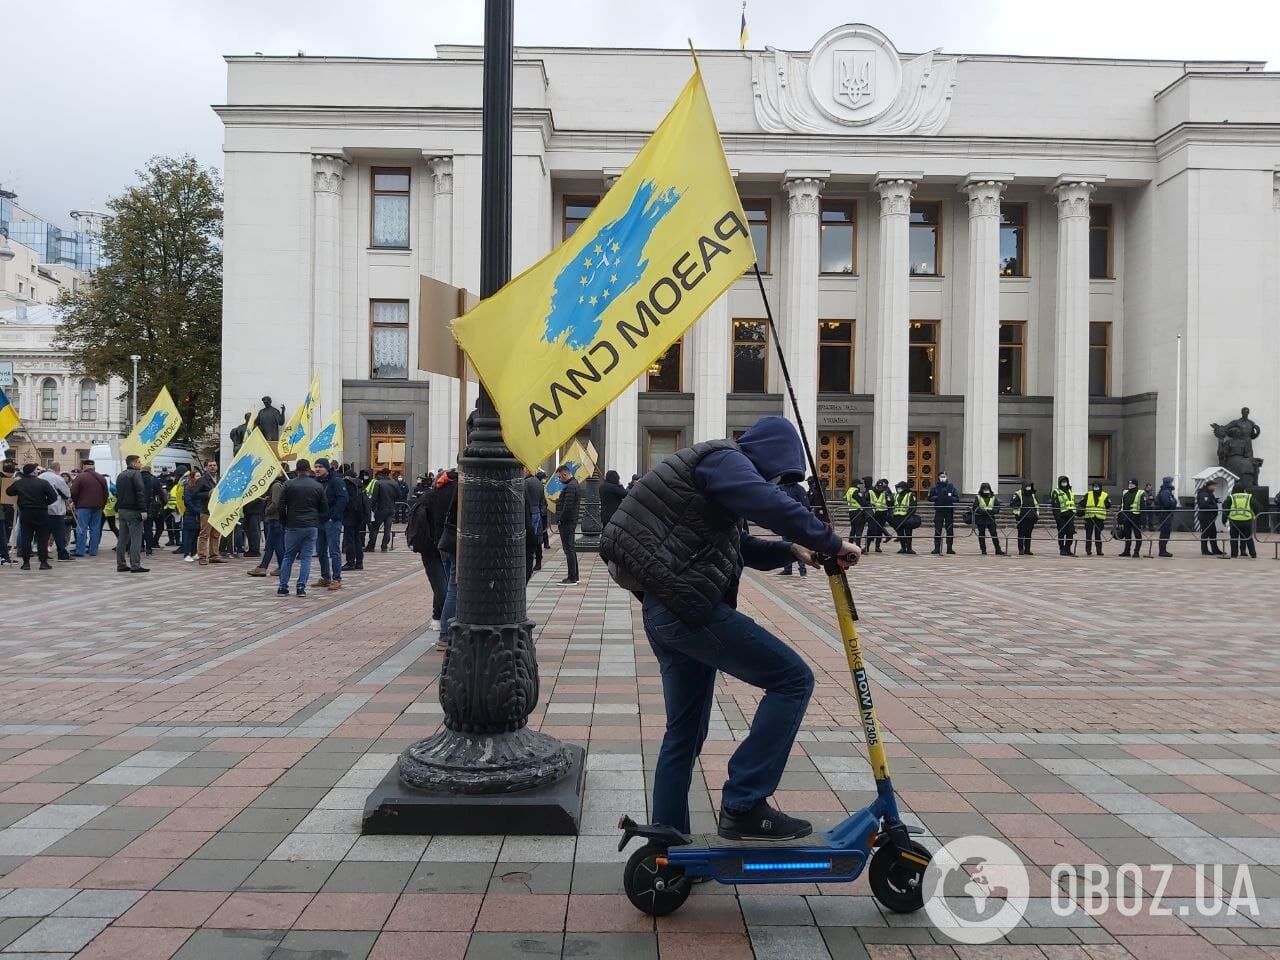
x=879, y=501
x=987, y=503
x=1134, y=504
x=1095, y=505
x=903, y=503
x=851, y=498
x=1064, y=500
x=1241, y=507
x=1022, y=501
x=172, y=503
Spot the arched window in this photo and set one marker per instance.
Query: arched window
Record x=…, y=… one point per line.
x=88, y=400
x=49, y=399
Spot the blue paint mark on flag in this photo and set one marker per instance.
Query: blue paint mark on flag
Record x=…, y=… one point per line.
x=324, y=439
x=555, y=484
x=154, y=426
x=296, y=436
x=236, y=480
x=611, y=263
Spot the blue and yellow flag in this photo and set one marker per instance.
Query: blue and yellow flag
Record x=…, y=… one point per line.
x=558, y=343
x=153, y=432
x=247, y=478
x=581, y=463
x=328, y=442
x=9, y=419
x=744, y=35
x=299, y=425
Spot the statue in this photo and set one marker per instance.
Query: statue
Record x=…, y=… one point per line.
x=269, y=420
x=1235, y=448
x=237, y=434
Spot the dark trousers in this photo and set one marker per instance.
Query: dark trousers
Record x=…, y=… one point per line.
x=1093, y=534
x=1166, y=531
x=129, y=546
x=1132, y=535
x=1242, y=538
x=688, y=658
x=903, y=533
x=154, y=526
x=56, y=527
x=876, y=529
x=1066, y=524
x=436, y=577
x=567, y=531
x=987, y=525
x=1025, y=526
x=546, y=532
x=6, y=521
x=253, y=531
x=190, y=533
x=1209, y=534
x=32, y=526
x=353, y=545
x=532, y=551
x=274, y=546
x=857, y=523
x=944, y=520
x=380, y=519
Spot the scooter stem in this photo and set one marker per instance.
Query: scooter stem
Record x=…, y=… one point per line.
x=846, y=616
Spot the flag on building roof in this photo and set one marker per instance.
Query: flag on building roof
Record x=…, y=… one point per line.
x=743, y=33
x=9, y=419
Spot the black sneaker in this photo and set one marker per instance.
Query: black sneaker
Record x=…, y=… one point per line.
x=762, y=822
x=301, y=591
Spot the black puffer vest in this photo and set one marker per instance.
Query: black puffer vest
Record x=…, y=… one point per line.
x=668, y=539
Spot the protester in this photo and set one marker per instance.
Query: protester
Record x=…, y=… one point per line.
x=273, y=530
x=210, y=540
x=131, y=512
x=445, y=512
x=252, y=520
x=535, y=519
x=421, y=536
x=89, y=492
x=8, y=511
x=331, y=521
x=190, y=514
x=302, y=507
x=56, y=526
x=354, y=522
x=32, y=498
x=567, y=520
x=612, y=493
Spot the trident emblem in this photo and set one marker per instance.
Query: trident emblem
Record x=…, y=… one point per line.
x=855, y=72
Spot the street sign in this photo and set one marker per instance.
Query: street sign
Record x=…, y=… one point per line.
x=6, y=373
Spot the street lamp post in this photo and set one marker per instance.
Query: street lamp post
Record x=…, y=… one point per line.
x=133, y=417
x=486, y=771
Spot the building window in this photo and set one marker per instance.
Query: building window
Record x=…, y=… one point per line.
x=1013, y=359
x=750, y=349
x=836, y=233
x=390, y=207
x=925, y=221
x=1100, y=457
x=1100, y=241
x=835, y=356
x=1100, y=359
x=664, y=373
x=1013, y=239
x=1009, y=455
x=922, y=362
x=46, y=457
x=576, y=211
x=757, y=211
x=662, y=444
x=389, y=336
x=49, y=399
x=88, y=400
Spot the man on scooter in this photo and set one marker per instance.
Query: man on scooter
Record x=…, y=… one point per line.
x=676, y=542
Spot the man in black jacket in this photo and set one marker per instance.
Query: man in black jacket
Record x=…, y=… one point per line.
x=132, y=504
x=383, y=503
x=355, y=521
x=535, y=505
x=207, y=546
x=33, y=497
x=1207, y=518
x=567, y=520
x=302, y=508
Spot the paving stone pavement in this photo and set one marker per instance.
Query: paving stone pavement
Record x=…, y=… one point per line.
x=184, y=757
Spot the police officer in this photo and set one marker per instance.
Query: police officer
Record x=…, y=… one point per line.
x=1207, y=518
x=985, y=507
x=1095, y=506
x=854, y=500
x=1132, y=504
x=1064, y=516
x=904, y=518
x=1238, y=512
x=880, y=499
x=1026, y=515
x=1166, y=507
x=944, y=496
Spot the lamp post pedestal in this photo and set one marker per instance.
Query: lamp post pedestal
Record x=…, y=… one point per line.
x=589, y=526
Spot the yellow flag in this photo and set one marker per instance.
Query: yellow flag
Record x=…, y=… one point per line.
x=153, y=432
x=247, y=478
x=9, y=419
x=328, y=442
x=299, y=425
x=581, y=463
x=558, y=343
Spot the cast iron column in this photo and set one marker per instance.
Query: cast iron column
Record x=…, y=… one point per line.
x=489, y=681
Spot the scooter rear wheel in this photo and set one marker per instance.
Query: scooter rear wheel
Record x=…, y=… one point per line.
x=897, y=883
x=653, y=889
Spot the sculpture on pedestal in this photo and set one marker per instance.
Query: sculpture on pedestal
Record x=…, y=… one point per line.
x=269, y=420
x=1235, y=448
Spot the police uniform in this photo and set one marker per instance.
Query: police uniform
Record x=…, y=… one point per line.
x=904, y=511
x=1095, y=505
x=985, y=507
x=880, y=500
x=1239, y=510
x=853, y=498
x=1027, y=514
x=1064, y=516
x=1132, y=503
x=1207, y=521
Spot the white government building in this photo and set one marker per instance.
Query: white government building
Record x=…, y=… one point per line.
x=980, y=263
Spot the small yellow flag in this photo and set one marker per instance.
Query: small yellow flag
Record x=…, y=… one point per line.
x=328, y=442
x=299, y=425
x=247, y=478
x=153, y=432
x=558, y=343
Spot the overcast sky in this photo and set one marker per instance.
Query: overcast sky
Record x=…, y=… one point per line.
x=97, y=89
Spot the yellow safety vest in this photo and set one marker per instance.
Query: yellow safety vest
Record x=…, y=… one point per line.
x=1135, y=502
x=879, y=501
x=851, y=498
x=1241, y=507
x=1065, y=499
x=1095, y=508
x=902, y=503
x=986, y=503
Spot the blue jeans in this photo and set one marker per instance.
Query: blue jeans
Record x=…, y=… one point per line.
x=274, y=546
x=299, y=544
x=88, y=531
x=688, y=658
x=449, y=609
x=330, y=548
x=190, y=533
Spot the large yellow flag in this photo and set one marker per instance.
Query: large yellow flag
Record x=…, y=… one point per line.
x=247, y=478
x=153, y=432
x=299, y=425
x=558, y=343
x=328, y=441
x=581, y=464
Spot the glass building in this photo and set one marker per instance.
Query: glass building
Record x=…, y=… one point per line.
x=74, y=248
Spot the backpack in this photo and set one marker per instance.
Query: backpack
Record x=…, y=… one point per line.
x=417, y=531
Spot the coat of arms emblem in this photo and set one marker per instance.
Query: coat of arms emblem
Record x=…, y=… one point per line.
x=854, y=76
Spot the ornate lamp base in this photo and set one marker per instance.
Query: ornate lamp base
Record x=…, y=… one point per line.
x=464, y=763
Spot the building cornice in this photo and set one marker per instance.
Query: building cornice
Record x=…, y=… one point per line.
x=1226, y=134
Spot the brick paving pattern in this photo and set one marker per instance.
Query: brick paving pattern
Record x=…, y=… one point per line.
x=184, y=758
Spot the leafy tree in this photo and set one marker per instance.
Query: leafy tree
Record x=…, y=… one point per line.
x=158, y=293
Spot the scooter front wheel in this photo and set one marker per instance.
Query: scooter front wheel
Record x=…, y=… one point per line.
x=653, y=888
x=898, y=883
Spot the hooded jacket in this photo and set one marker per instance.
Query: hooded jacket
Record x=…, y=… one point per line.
x=335, y=497
x=1166, y=499
x=612, y=493
x=677, y=535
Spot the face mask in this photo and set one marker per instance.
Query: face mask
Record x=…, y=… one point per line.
x=943, y=478
x=1096, y=488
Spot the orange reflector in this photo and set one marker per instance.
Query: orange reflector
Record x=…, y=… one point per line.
x=871, y=840
x=660, y=861
x=913, y=857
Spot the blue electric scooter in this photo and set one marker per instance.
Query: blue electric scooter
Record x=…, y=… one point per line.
x=660, y=875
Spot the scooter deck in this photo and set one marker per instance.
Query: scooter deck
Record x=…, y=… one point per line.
x=716, y=842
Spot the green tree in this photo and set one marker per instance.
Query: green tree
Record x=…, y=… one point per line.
x=158, y=293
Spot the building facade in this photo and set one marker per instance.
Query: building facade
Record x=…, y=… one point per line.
x=1004, y=267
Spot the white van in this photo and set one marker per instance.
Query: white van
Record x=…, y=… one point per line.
x=108, y=462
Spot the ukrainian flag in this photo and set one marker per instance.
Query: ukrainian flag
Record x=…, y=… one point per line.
x=743, y=34
x=9, y=419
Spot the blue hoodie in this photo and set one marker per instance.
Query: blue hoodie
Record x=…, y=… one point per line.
x=745, y=482
x=1166, y=499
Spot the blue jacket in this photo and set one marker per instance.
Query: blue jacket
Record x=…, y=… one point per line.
x=335, y=497
x=944, y=495
x=746, y=483
x=1166, y=499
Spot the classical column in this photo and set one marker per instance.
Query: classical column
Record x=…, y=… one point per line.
x=982, y=385
x=326, y=266
x=442, y=410
x=621, y=418
x=891, y=324
x=799, y=331
x=710, y=341
x=1071, y=339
